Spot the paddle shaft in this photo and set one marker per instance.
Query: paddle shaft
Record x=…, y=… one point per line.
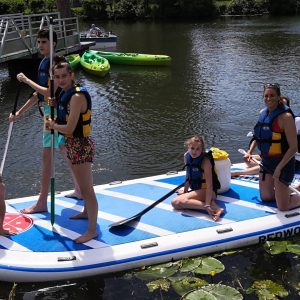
x=52, y=180
x=10, y=130
x=269, y=171
x=137, y=216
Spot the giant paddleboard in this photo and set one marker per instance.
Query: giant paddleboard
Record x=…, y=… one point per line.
x=40, y=252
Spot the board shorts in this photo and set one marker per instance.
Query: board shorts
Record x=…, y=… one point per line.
x=59, y=139
x=80, y=149
x=287, y=173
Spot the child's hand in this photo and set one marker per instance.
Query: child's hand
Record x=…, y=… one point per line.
x=180, y=191
x=22, y=78
x=49, y=124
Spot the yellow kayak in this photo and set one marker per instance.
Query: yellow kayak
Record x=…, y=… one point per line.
x=93, y=63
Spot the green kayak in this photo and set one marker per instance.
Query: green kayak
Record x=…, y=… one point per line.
x=136, y=58
x=93, y=63
x=73, y=60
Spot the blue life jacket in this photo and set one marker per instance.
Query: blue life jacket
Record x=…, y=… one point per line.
x=83, y=127
x=195, y=174
x=270, y=142
x=43, y=74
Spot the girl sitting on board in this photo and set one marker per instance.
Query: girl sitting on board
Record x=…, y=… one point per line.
x=200, y=179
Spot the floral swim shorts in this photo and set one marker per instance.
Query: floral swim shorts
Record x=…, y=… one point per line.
x=80, y=149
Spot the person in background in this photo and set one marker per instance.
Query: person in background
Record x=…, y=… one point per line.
x=276, y=137
x=94, y=30
x=200, y=179
x=42, y=92
x=74, y=122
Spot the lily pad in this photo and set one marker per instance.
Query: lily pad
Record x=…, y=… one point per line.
x=199, y=294
x=293, y=248
x=267, y=290
x=223, y=292
x=189, y=265
x=214, y=292
x=158, y=271
x=276, y=247
x=209, y=265
x=162, y=284
x=185, y=284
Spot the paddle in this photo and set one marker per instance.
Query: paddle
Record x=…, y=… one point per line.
x=242, y=151
x=52, y=182
x=138, y=216
x=10, y=129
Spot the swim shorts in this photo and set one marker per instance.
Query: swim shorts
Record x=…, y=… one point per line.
x=59, y=139
x=80, y=149
x=287, y=173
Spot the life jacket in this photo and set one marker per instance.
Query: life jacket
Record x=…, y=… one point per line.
x=195, y=173
x=83, y=127
x=43, y=75
x=268, y=141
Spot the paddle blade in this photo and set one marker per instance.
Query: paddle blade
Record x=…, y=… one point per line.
x=242, y=151
x=125, y=221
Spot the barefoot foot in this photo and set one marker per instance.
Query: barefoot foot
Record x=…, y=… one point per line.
x=4, y=232
x=74, y=195
x=217, y=214
x=36, y=208
x=82, y=215
x=87, y=236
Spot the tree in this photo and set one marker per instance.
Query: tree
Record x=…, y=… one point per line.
x=64, y=7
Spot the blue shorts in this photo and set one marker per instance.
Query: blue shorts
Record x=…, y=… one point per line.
x=59, y=139
x=287, y=173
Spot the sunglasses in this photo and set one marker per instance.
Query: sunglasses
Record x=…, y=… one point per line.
x=275, y=86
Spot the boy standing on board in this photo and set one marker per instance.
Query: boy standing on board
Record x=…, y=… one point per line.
x=41, y=87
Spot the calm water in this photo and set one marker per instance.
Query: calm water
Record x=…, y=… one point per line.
x=142, y=115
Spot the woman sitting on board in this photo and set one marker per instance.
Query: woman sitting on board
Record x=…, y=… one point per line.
x=199, y=178
x=276, y=138
x=74, y=122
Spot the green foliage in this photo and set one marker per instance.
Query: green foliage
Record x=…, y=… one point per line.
x=78, y=11
x=94, y=9
x=267, y=290
x=162, y=284
x=283, y=7
x=11, y=7
x=278, y=247
x=214, y=292
x=244, y=7
x=185, y=284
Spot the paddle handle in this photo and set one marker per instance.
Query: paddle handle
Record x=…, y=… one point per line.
x=10, y=129
x=52, y=181
x=292, y=188
x=160, y=200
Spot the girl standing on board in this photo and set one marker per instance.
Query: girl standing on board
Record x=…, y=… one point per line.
x=200, y=178
x=74, y=122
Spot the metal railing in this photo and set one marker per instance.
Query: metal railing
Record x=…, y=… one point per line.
x=18, y=34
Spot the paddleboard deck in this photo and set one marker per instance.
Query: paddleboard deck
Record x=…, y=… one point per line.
x=40, y=252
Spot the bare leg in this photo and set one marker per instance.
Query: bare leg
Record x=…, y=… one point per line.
x=2, y=210
x=41, y=204
x=76, y=194
x=83, y=175
x=192, y=200
x=249, y=171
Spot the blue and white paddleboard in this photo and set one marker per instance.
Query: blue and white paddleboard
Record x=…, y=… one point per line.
x=39, y=252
